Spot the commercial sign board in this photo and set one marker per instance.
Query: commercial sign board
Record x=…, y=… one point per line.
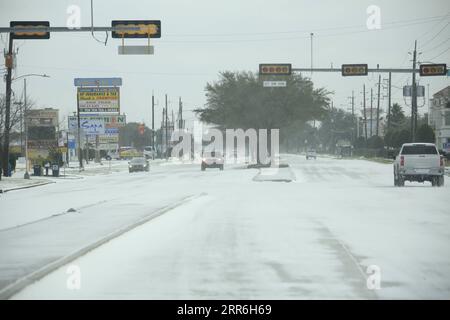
x=100, y=99
x=97, y=82
x=42, y=117
x=111, y=122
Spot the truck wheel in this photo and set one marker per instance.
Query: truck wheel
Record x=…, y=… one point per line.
x=434, y=181
x=221, y=167
x=401, y=182
x=441, y=181
x=203, y=168
x=395, y=181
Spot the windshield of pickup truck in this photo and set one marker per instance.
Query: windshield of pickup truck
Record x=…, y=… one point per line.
x=419, y=149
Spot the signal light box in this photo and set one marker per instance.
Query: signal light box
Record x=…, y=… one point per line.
x=354, y=70
x=433, y=70
x=28, y=25
x=275, y=69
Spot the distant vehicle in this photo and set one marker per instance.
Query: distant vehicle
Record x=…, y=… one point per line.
x=149, y=152
x=311, y=153
x=138, y=164
x=419, y=162
x=129, y=153
x=215, y=160
x=112, y=154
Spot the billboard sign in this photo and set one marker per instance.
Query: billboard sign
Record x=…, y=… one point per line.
x=101, y=99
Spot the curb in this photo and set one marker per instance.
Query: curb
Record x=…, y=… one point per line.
x=26, y=187
x=25, y=281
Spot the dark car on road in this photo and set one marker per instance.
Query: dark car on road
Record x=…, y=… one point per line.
x=138, y=164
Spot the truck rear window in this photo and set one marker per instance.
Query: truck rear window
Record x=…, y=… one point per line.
x=419, y=150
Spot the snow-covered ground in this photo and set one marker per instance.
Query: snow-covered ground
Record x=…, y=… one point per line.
x=313, y=237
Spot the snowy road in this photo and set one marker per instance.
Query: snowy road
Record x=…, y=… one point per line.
x=238, y=238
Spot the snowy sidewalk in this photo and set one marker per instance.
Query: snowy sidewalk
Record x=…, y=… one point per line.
x=17, y=182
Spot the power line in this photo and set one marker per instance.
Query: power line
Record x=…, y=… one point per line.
x=435, y=36
x=440, y=54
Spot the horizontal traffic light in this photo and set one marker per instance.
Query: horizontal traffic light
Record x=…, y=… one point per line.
x=275, y=69
x=147, y=29
x=28, y=25
x=354, y=70
x=433, y=69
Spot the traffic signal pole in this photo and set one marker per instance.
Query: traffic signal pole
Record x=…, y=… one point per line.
x=414, y=97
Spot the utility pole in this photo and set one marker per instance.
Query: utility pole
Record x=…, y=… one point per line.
x=166, y=131
x=312, y=34
x=414, y=97
x=378, y=106
x=26, y=175
x=353, y=116
x=371, y=112
x=365, y=112
x=389, y=101
x=153, y=121
x=9, y=66
x=180, y=112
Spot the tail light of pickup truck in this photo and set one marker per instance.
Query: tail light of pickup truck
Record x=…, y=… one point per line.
x=402, y=161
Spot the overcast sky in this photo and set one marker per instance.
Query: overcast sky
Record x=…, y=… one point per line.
x=200, y=38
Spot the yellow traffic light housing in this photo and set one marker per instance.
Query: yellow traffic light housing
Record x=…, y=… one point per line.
x=147, y=29
x=354, y=70
x=433, y=70
x=275, y=69
x=30, y=34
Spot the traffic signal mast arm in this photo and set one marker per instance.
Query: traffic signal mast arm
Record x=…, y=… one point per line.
x=383, y=70
x=65, y=29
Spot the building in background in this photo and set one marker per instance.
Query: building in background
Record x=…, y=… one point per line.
x=439, y=118
x=42, y=126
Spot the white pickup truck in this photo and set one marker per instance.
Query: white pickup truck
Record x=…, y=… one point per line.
x=419, y=162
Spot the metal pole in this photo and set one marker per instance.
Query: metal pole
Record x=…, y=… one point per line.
x=371, y=112
x=80, y=155
x=389, y=102
x=153, y=121
x=8, y=106
x=312, y=34
x=378, y=106
x=166, y=132
x=414, y=98
x=26, y=175
x=353, y=115
x=365, y=112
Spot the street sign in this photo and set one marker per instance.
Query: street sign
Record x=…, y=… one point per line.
x=354, y=70
x=275, y=69
x=136, y=50
x=97, y=82
x=433, y=70
x=148, y=29
x=274, y=84
x=28, y=34
x=407, y=91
